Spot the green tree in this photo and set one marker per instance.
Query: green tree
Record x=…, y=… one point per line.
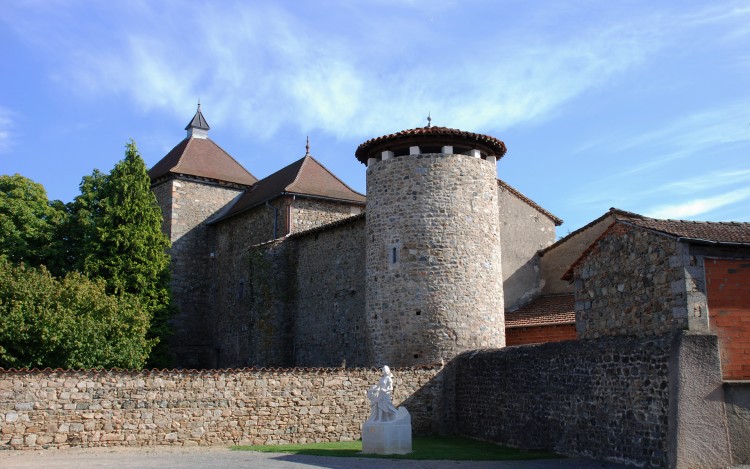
x=118, y=238
x=68, y=323
x=28, y=221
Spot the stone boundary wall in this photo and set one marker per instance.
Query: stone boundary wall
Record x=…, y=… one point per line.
x=56, y=408
x=605, y=399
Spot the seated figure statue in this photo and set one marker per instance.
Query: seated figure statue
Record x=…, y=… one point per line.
x=380, y=398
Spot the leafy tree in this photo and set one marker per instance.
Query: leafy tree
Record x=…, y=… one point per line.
x=28, y=221
x=117, y=231
x=68, y=323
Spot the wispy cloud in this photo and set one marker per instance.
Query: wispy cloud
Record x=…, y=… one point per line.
x=6, y=125
x=699, y=206
x=265, y=67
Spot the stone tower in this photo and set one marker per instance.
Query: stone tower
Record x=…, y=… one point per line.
x=195, y=180
x=434, y=279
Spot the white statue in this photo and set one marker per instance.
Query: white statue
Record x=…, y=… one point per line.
x=387, y=430
x=380, y=398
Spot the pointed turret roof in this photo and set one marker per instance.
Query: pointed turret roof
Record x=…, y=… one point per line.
x=199, y=156
x=198, y=121
x=304, y=177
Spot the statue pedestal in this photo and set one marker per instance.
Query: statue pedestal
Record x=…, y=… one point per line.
x=388, y=437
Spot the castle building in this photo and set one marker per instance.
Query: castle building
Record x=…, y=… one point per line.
x=441, y=257
x=443, y=250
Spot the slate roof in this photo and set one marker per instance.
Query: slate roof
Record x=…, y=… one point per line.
x=530, y=202
x=203, y=158
x=198, y=121
x=545, y=310
x=727, y=233
x=426, y=135
x=305, y=177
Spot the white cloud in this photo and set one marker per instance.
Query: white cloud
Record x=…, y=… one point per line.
x=266, y=67
x=698, y=206
x=6, y=125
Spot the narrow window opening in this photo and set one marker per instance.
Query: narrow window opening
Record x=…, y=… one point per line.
x=416, y=355
x=241, y=290
x=419, y=312
x=394, y=255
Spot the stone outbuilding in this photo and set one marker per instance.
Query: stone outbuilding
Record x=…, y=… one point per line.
x=644, y=276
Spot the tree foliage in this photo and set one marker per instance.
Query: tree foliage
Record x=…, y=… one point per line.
x=117, y=226
x=68, y=323
x=107, y=242
x=28, y=221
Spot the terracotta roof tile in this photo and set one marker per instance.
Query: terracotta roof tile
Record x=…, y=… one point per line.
x=442, y=135
x=201, y=157
x=708, y=231
x=305, y=176
x=530, y=202
x=735, y=233
x=545, y=310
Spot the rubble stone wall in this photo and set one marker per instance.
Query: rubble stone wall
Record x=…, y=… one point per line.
x=189, y=203
x=605, y=399
x=631, y=283
x=434, y=276
x=307, y=213
x=41, y=409
x=329, y=324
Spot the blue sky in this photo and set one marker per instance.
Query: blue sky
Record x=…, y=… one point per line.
x=640, y=105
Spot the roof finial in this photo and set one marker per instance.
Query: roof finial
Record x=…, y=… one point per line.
x=429, y=120
x=199, y=104
x=307, y=147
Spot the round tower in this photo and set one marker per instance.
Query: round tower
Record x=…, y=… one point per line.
x=434, y=279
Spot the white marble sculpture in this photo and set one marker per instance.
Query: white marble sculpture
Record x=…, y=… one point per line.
x=387, y=430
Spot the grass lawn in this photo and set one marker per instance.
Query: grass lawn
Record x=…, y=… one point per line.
x=425, y=447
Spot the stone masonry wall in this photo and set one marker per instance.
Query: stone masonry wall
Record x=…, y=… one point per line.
x=192, y=202
x=163, y=193
x=434, y=277
x=523, y=231
x=605, y=399
x=296, y=301
x=42, y=409
x=307, y=213
x=254, y=298
x=329, y=324
x=631, y=283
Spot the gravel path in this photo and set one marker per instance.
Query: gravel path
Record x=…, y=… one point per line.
x=222, y=458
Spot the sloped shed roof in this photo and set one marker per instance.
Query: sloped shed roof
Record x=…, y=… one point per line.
x=545, y=310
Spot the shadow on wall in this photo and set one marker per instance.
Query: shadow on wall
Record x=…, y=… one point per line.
x=516, y=286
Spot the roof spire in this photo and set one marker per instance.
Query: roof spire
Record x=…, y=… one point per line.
x=307, y=147
x=198, y=127
x=429, y=119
